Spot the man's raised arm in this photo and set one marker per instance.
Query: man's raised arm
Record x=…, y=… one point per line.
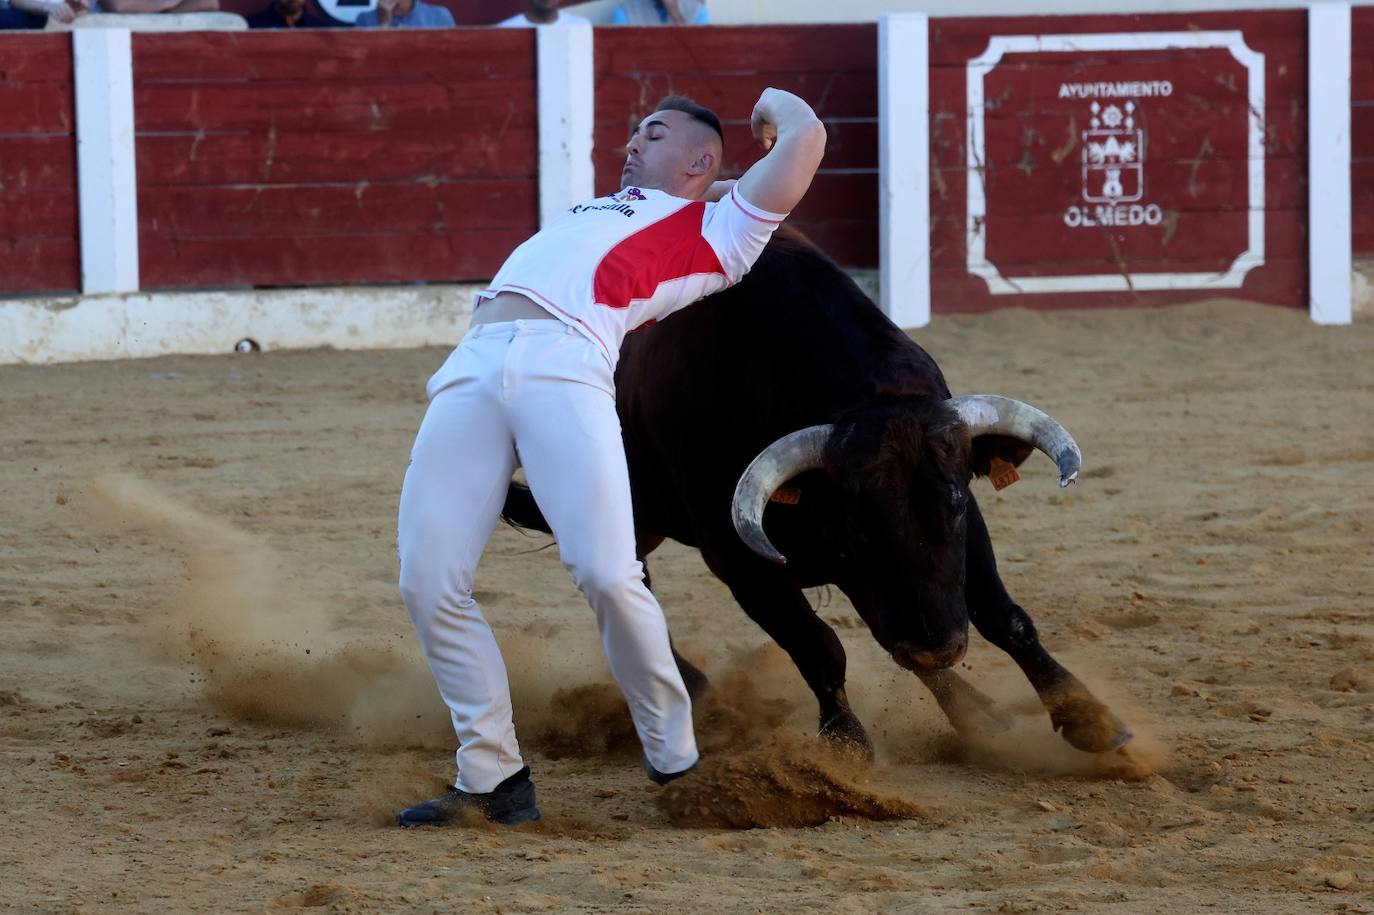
x=795, y=140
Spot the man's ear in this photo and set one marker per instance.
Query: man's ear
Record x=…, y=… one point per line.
x=705, y=164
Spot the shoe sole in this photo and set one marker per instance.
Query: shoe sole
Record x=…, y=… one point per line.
x=531, y=815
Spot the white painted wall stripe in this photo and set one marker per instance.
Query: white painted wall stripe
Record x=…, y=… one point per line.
x=69, y=329
x=564, y=73
x=904, y=168
x=1329, y=237
x=107, y=191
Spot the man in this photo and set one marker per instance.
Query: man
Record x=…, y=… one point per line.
x=405, y=14
x=532, y=385
x=290, y=14
x=543, y=12
x=660, y=12
x=154, y=6
x=34, y=14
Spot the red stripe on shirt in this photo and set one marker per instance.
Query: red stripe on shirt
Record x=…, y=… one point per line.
x=670, y=249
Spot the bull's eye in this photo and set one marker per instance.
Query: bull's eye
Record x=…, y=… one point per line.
x=958, y=502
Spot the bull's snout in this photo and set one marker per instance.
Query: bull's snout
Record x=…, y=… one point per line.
x=913, y=657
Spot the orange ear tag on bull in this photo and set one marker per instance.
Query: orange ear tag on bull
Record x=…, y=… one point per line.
x=1002, y=474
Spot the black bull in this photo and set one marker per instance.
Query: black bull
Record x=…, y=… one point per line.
x=881, y=509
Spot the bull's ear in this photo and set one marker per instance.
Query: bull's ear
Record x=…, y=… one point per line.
x=987, y=447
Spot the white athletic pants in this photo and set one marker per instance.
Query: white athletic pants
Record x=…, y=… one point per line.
x=538, y=394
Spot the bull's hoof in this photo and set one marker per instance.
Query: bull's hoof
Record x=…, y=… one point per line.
x=845, y=733
x=1086, y=723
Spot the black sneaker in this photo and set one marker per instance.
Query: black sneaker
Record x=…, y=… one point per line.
x=509, y=803
x=663, y=778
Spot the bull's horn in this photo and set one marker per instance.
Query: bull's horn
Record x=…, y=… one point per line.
x=779, y=462
x=990, y=414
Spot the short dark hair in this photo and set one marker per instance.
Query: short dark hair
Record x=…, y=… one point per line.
x=693, y=110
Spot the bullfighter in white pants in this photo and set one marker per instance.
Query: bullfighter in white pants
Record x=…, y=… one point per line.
x=531, y=385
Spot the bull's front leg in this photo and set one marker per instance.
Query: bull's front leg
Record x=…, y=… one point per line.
x=1083, y=720
x=772, y=600
x=971, y=712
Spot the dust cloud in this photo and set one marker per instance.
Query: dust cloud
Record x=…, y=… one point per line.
x=266, y=649
x=908, y=726
x=269, y=651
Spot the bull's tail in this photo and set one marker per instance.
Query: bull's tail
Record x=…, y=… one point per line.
x=521, y=511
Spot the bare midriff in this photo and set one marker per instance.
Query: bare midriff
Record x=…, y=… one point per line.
x=508, y=306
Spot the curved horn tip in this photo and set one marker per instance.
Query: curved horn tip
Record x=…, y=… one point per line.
x=767, y=551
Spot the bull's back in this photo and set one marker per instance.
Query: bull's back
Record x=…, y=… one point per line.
x=701, y=393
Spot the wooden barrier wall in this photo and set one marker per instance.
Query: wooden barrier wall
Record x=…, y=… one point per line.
x=332, y=157
x=835, y=67
x=1362, y=129
x=353, y=157
x=1195, y=159
x=39, y=246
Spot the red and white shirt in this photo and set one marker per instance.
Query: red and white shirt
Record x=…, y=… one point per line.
x=618, y=262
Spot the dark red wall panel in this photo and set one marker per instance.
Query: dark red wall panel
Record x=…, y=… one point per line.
x=834, y=67
x=270, y=159
x=1362, y=128
x=39, y=248
x=1170, y=164
x=353, y=157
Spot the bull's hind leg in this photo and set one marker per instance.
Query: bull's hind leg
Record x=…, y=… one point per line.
x=771, y=599
x=1074, y=711
x=697, y=683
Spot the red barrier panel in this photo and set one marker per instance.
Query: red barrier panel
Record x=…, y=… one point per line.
x=1362, y=129
x=1117, y=169
x=333, y=157
x=833, y=66
x=350, y=157
x=39, y=225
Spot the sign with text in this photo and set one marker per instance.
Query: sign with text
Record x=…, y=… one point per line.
x=1117, y=161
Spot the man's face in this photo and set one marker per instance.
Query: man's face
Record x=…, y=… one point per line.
x=663, y=150
x=543, y=7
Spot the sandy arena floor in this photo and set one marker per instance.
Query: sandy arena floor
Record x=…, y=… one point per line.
x=210, y=699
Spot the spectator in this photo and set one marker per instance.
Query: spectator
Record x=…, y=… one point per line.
x=660, y=12
x=405, y=14
x=290, y=14
x=154, y=6
x=543, y=12
x=34, y=14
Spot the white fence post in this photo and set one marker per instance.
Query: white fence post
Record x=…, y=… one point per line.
x=1329, y=236
x=564, y=73
x=904, y=167
x=106, y=186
